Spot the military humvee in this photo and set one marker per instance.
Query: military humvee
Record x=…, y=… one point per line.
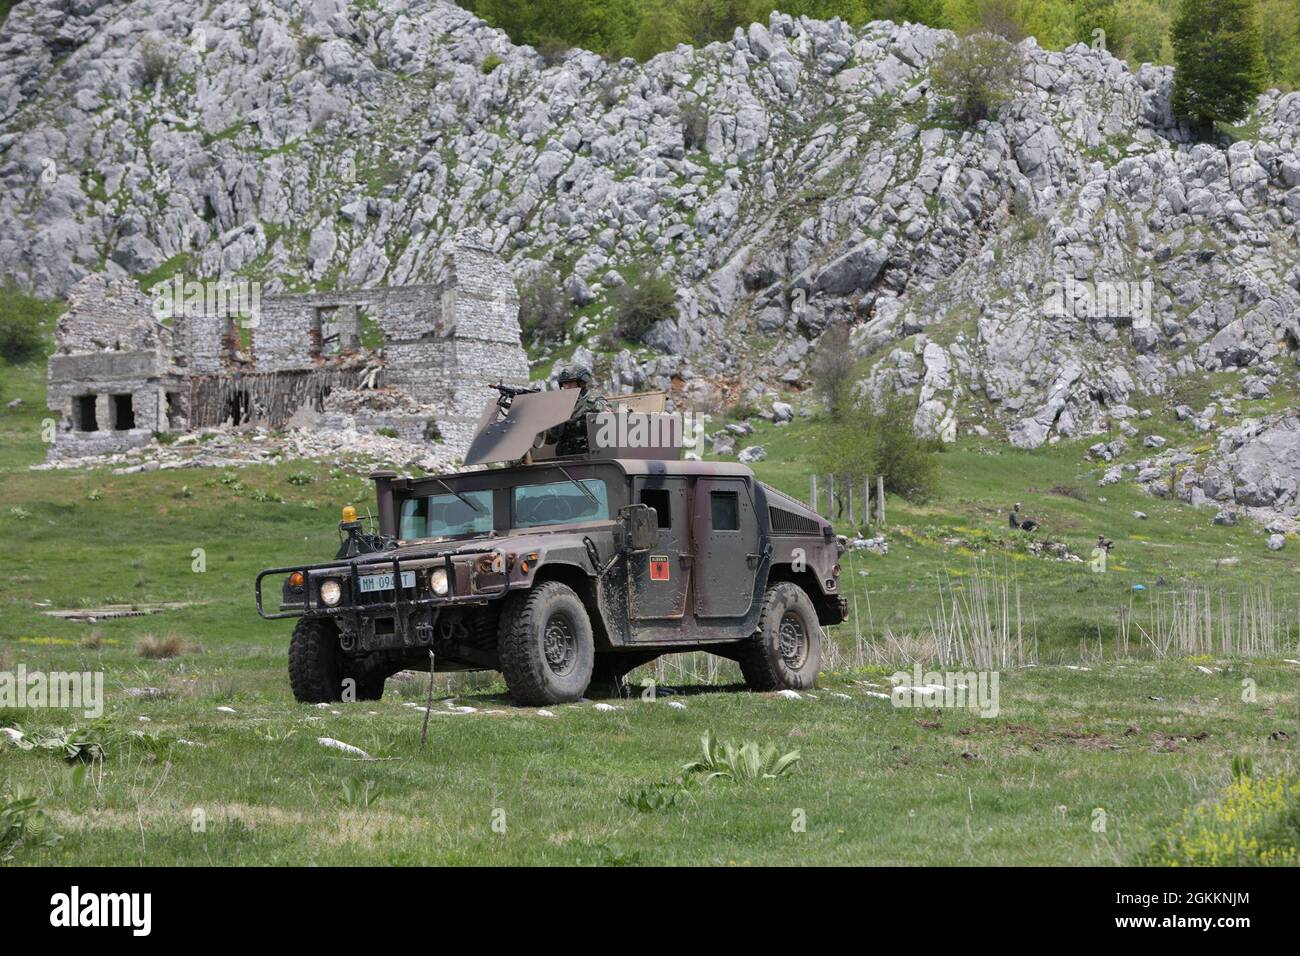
x=563, y=573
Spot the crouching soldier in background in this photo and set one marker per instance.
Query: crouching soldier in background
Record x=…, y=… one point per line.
x=570, y=438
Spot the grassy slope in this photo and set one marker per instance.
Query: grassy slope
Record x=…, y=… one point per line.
x=876, y=785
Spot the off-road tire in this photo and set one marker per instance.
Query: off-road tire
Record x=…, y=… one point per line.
x=318, y=667
x=534, y=676
x=762, y=661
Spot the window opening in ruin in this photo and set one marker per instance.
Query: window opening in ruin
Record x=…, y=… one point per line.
x=231, y=338
x=325, y=333
x=370, y=333
x=122, y=413
x=85, y=414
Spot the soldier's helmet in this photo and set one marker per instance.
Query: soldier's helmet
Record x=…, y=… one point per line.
x=576, y=373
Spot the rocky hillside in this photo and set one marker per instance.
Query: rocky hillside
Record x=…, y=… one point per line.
x=800, y=175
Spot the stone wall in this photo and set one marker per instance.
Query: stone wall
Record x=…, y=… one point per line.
x=205, y=343
x=109, y=317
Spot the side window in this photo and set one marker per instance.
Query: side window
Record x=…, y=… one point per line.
x=560, y=502
x=661, y=502
x=726, y=510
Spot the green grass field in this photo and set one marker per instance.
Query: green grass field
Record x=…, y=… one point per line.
x=1083, y=727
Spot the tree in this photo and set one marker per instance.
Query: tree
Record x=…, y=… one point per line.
x=877, y=438
x=975, y=74
x=833, y=370
x=1282, y=41
x=23, y=324
x=1219, y=55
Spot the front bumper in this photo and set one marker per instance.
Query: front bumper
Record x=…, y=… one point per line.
x=467, y=583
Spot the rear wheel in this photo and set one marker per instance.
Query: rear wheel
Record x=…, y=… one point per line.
x=319, y=671
x=545, y=645
x=786, y=651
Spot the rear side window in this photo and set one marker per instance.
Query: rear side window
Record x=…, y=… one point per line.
x=726, y=510
x=657, y=498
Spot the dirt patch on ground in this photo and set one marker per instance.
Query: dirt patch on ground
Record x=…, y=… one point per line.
x=369, y=828
x=1037, y=739
x=249, y=815
x=1171, y=743
x=1083, y=739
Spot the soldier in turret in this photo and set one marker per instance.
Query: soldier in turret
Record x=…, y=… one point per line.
x=570, y=438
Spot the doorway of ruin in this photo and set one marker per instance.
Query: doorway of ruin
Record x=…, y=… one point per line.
x=238, y=407
x=121, y=413
x=175, y=413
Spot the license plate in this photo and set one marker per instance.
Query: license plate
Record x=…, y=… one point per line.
x=384, y=582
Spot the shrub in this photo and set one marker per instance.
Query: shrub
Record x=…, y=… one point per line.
x=975, y=74
x=156, y=62
x=610, y=94
x=695, y=126
x=308, y=46
x=1069, y=491
x=553, y=50
x=1255, y=823
x=544, y=310
x=1028, y=226
x=491, y=62
x=22, y=824
x=646, y=298
x=160, y=648
x=23, y=324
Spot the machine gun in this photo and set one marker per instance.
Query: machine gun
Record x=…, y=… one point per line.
x=506, y=394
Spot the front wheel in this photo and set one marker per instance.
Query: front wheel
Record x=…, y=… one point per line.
x=545, y=645
x=319, y=671
x=786, y=651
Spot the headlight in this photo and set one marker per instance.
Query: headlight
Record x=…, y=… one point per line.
x=438, y=581
x=330, y=592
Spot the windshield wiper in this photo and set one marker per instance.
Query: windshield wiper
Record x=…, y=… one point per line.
x=577, y=484
x=473, y=505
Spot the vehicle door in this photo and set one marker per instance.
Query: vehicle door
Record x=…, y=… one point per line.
x=658, y=579
x=726, y=554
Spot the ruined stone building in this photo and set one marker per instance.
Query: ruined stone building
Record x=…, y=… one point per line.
x=119, y=373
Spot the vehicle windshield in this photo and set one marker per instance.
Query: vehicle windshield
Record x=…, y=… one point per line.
x=560, y=502
x=445, y=516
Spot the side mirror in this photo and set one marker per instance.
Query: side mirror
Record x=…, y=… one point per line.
x=641, y=526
